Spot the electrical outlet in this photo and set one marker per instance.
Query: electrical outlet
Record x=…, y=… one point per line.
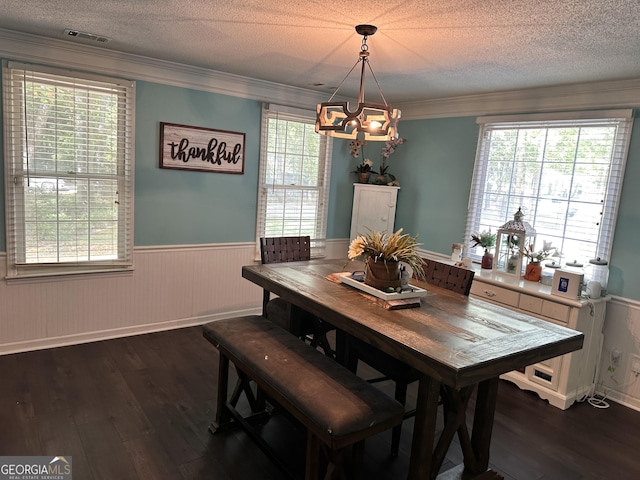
x=616, y=355
x=635, y=364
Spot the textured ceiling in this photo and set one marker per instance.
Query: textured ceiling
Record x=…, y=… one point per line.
x=422, y=50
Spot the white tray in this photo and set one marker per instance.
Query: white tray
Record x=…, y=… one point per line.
x=412, y=292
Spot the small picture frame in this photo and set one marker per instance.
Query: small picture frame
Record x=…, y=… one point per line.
x=185, y=147
x=567, y=284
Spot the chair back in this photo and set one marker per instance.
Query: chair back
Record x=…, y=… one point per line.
x=457, y=279
x=285, y=249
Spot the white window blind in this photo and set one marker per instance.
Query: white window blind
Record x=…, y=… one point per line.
x=295, y=163
x=565, y=171
x=69, y=142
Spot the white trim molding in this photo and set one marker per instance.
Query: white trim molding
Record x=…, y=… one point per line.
x=95, y=336
x=33, y=48
x=584, y=96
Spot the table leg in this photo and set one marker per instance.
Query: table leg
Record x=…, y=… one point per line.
x=266, y=294
x=424, y=429
x=483, y=424
x=427, y=455
x=475, y=446
x=343, y=355
x=295, y=323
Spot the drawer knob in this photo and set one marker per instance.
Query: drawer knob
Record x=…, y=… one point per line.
x=489, y=293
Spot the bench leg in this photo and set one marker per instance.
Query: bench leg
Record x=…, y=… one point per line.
x=223, y=418
x=244, y=385
x=312, y=464
x=346, y=463
x=358, y=460
x=335, y=460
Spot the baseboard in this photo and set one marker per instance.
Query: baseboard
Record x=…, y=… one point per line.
x=620, y=397
x=87, y=337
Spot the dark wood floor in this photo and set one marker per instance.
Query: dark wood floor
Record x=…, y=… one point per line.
x=139, y=408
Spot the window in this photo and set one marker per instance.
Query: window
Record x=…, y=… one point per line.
x=295, y=163
x=68, y=170
x=565, y=173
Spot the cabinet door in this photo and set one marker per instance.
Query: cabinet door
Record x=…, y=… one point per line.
x=374, y=207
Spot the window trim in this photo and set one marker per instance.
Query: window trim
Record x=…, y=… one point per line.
x=273, y=111
x=612, y=200
x=13, y=145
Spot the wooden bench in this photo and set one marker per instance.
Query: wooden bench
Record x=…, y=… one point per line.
x=338, y=409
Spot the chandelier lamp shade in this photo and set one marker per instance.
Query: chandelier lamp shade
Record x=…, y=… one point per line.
x=375, y=121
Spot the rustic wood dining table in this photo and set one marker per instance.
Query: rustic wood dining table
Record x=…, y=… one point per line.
x=461, y=344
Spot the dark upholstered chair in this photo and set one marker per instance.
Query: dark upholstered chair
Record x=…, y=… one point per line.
x=437, y=273
x=279, y=311
x=457, y=279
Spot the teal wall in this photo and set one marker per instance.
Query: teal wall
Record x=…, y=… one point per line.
x=624, y=267
x=178, y=207
x=434, y=167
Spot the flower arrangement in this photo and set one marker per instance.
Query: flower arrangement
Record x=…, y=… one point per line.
x=381, y=247
x=547, y=251
x=388, y=150
x=484, y=239
x=355, y=146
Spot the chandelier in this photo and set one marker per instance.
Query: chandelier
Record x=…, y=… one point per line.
x=377, y=121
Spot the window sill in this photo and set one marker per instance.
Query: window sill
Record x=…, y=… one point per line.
x=58, y=275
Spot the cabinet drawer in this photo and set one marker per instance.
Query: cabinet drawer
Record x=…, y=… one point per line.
x=497, y=294
x=530, y=303
x=557, y=311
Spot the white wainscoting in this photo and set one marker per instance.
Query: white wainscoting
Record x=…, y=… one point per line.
x=621, y=330
x=170, y=287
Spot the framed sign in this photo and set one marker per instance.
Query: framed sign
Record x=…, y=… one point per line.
x=196, y=148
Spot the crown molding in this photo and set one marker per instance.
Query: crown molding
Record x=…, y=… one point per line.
x=36, y=49
x=594, y=95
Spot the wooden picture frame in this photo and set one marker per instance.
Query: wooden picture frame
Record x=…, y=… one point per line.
x=185, y=147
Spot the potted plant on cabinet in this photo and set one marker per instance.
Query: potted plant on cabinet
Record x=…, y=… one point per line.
x=364, y=171
x=384, y=177
x=486, y=240
x=533, y=270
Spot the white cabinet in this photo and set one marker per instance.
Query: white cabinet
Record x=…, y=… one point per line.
x=374, y=207
x=560, y=380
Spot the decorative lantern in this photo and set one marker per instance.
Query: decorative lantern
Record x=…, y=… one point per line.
x=512, y=236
